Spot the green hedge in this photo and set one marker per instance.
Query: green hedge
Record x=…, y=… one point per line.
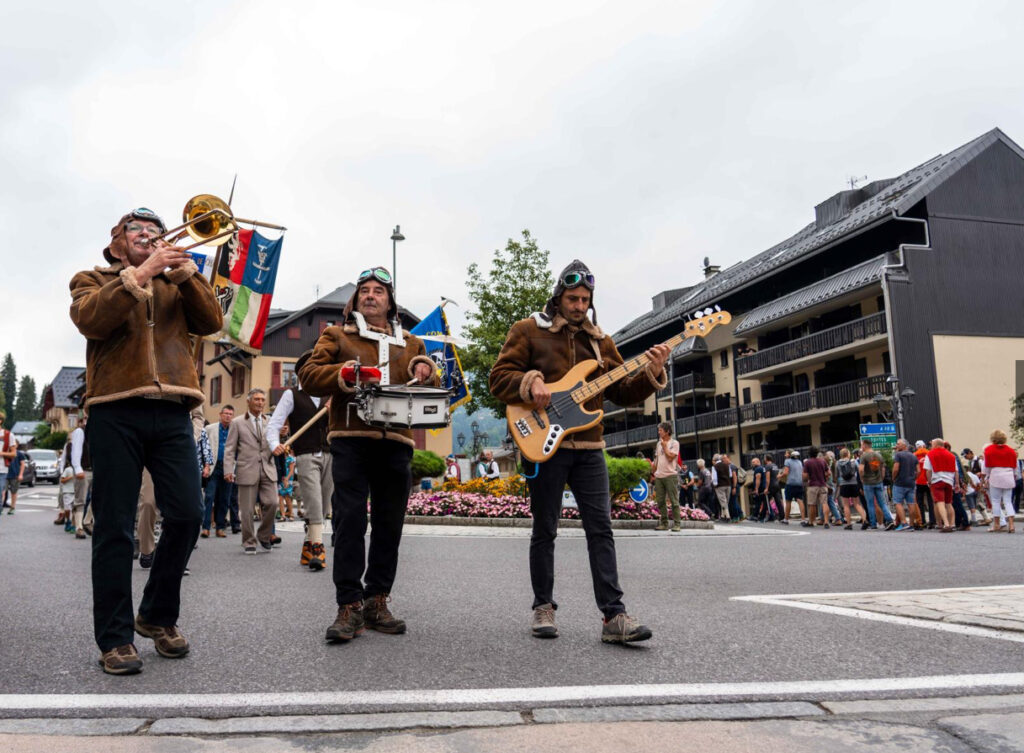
x=625, y=473
x=426, y=464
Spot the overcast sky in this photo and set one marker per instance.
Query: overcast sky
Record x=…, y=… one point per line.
x=639, y=137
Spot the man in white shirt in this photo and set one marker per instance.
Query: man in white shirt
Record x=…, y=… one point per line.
x=487, y=468
x=312, y=461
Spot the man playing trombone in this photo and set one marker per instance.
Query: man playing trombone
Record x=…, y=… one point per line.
x=141, y=383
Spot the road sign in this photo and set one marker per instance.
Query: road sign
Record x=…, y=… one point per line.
x=867, y=430
x=569, y=499
x=881, y=436
x=639, y=492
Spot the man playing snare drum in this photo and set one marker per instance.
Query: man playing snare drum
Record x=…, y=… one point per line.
x=366, y=460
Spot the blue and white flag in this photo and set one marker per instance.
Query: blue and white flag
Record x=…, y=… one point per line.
x=444, y=354
x=204, y=262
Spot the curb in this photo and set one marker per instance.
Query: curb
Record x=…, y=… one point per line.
x=450, y=520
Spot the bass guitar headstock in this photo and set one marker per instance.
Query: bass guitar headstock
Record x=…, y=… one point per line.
x=706, y=320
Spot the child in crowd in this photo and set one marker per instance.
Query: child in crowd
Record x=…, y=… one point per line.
x=286, y=488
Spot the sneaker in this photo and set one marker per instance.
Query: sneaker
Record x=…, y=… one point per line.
x=267, y=546
x=661, y=527
x=825, y=525
x=123, y=660
x=221, y=534
x=235, y=530
x=145, y=561
x=378, y=617
x=864, y=526
x=250, y=550
x=848, y=527
x=624, y=629
x=890, y=526
x=543, y=625
x=317, y=559
x=676, y=528
x=275, y=540
x=205, y=533
x=784, y=522
x=168, y=641
x=79, y=534
x=902, y=527
x=69, y=526
x=307, y=553
x=348, y=624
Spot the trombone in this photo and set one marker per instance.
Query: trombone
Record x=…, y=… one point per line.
x=209, y=221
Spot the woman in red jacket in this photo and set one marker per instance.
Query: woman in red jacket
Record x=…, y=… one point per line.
x=1000, y=463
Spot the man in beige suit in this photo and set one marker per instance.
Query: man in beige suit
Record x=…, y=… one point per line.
x=248, y=463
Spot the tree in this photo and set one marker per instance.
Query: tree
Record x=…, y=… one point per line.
x=9, y=382
x=25, y=407
x=42, y=398
x=1017, y=419
x=518, y=284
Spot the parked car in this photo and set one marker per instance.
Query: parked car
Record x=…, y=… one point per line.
x=43, y=466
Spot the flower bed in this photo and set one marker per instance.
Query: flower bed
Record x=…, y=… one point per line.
x=476, y=505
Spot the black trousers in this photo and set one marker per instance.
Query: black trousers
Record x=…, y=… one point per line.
x=125, y=436
x=378, y=468
x=586, y=474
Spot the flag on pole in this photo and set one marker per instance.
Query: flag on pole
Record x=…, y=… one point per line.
x=204, y=262
x=244, y=283
x=444, y=355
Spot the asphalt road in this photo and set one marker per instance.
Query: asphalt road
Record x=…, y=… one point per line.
x=256, y=623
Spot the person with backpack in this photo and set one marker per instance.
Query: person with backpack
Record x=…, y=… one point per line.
x=904, y=473
x=849, y=487
x=758, y=497
x=773, y=492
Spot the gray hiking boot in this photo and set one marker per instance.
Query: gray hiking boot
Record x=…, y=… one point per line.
x=544, y=622
x=624, y=629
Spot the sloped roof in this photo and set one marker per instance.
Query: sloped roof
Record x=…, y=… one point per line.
x=903, y=193
x=846, y=281
x=68, y=379
x=25, y=427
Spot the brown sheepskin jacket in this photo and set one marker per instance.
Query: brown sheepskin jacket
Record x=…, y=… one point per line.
x=340, y=346
x=138, y=337
x=537, y=349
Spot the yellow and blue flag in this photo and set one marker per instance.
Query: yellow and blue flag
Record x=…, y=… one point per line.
x=444, y=355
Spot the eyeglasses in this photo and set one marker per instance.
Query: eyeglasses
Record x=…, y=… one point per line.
x=137, y=228
x=380, y=273
x=575, y=279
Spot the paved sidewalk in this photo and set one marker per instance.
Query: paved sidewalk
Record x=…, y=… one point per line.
x=999, y=608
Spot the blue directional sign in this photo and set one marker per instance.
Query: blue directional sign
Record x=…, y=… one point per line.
x=867, y=430
x=640, y=492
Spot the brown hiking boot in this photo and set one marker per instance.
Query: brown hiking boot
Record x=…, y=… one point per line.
x=168, y=641
x=123, y=660
x=317, y=558
x=544, y=622
x=306, y=554
x=348, y=624
x=624, y=629
x=378, y=616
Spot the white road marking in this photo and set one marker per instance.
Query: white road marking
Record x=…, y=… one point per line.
x=491, y=697
x=794, y=600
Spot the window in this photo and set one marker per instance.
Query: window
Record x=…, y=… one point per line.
x=324, y=324
x=723, y=358
x=746, y=395
x=237, y=381
x=295, y=333
x=282, y=375
x=886, y=363
x=215, y=390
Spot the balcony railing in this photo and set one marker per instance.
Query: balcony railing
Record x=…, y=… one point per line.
x=688, y=382
x=635, y=435
x=819, y=342
x=857, y=391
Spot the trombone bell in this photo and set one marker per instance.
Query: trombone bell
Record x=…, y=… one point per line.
x=205, y=217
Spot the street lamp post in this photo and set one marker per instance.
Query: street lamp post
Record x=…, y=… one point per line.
x=895, y=405
x=395, y=238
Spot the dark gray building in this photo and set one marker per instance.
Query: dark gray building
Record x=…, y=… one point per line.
x=912, y=282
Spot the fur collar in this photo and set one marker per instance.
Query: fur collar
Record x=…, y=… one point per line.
x=558, y=322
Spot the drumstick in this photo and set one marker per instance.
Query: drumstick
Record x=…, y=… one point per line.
x=305, y=426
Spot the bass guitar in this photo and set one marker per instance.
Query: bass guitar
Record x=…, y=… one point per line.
x=539, y=432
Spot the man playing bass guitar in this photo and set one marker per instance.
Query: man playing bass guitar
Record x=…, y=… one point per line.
x=542, y=349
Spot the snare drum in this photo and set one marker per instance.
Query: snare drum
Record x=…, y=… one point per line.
x=405, y=407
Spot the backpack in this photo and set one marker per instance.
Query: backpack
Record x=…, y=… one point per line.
x=847, y=470
x=741, y=476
